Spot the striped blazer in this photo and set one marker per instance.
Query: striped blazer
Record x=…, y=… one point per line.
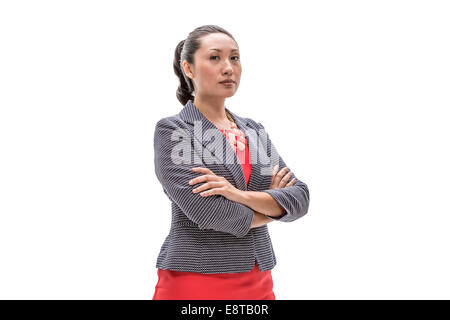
x=212, y=234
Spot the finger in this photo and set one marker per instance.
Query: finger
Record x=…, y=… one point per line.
x=274, y=172
x=208, y=185
x=282, y=172
x=279, y=175
x=291, y=183
x=286, y=178
x=205, y=177
x=211, y=192
x=275, y=169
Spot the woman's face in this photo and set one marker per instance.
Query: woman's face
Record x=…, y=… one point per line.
x=213, y=66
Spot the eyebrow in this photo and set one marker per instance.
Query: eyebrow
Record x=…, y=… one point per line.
x=221, y=50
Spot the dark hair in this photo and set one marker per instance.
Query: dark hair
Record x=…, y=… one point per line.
x=185, y=51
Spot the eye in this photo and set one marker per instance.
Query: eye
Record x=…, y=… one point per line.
x=211, y=58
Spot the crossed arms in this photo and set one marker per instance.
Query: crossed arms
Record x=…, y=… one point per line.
x=217, y=212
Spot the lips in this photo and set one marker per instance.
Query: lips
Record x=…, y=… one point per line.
x=227, y=81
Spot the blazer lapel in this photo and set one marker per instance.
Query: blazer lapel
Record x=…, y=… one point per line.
x=191, y=115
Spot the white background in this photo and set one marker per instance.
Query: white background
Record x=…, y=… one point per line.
x=360, y=88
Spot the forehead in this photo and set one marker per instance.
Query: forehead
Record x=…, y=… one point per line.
x=218, y=41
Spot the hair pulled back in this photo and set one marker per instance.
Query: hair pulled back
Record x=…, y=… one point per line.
x=185, y=50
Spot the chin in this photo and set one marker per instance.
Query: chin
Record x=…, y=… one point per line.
x=230, y=94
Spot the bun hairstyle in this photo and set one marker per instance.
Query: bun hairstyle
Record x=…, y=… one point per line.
x=185, y=51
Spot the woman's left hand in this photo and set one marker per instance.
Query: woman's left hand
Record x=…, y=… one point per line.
x=214, y=185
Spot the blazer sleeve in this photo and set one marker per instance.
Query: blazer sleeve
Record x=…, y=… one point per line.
x=293, y=199
x=212, y=212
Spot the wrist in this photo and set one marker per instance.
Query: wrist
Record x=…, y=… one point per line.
x=243, y=197
x=259, y=219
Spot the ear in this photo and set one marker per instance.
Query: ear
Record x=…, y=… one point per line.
x=187, y=70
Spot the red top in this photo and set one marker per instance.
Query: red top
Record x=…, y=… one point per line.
x=243, y=156
x=252, y=285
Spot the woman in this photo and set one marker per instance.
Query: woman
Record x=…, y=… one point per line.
x=219, y=246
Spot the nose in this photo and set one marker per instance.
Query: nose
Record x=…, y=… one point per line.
x=228, y=69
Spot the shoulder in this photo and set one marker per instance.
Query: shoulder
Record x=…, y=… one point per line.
x=170, y=122
x=167, y=130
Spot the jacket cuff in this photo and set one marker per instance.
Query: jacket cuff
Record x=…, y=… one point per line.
x=241, y=228
x=278, y=196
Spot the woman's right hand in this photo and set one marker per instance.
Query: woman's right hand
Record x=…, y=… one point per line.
x=280, y=178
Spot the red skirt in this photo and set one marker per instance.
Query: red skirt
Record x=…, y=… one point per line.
x=179, y=285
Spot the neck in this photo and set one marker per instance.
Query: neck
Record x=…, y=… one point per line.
x=213, y=110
